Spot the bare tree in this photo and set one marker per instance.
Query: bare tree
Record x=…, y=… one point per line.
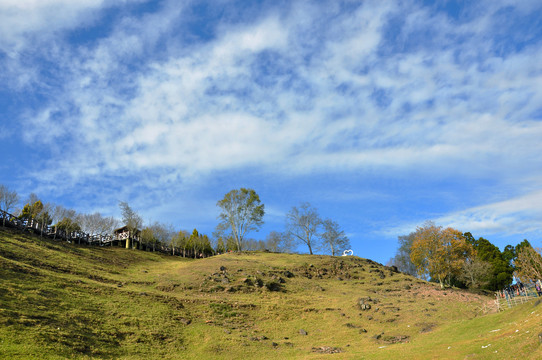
x=8, y=199
x=402, y=257
x=157, y=233
x=529, y=264
x=132, y=221
x=96, y=224
x=59, y=214
x=278, y=242
x=333, y=238
x=303, y=224
x=476, y=273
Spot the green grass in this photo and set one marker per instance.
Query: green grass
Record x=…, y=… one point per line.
x=64, y=301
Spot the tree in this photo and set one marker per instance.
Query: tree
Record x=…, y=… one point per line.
x=147, y=237
x=501, y=267
x=333, y=238
x=220, y=247
x=34, y=210
x=525, y=243
x=241, y=212
x=529, y=264
x=65, y=219
x=132, y=221
x=402, y=257
x=44, y=219
x=96, y=224
x=509, y=254
x=8, y=199
x=303, y=225
x=207, y=249
x=231, y=244
x=156, y=233
x=195, y=244
x=68, y=225
x=439, y=254
x=163, y=233
x=476, y=273
x=278, y=242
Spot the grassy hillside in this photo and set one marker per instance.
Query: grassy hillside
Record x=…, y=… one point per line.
x=60, y=301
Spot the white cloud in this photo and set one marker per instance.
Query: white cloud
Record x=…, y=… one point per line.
x=295, y=94
x=519, y=215
x=22, y=19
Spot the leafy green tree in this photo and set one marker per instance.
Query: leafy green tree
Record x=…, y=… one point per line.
x=241, y=213
x=231, y=244
x=303, y=224
x=36, y=211
x=525, y=243
x=31, y=210
x=180, y=241
x=334, y=239
x=509, y=254
x=195, y=243
x=501, y=267
x=68, y=225
x=206, y=248
x=220, y=247
x=147, y=237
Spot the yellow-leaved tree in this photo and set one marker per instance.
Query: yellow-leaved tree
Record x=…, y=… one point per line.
x=439, y=253
x=529, y=264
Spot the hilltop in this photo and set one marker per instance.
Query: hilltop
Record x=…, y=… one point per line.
x=60, y=300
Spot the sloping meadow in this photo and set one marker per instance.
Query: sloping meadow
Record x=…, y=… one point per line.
x=61, y=300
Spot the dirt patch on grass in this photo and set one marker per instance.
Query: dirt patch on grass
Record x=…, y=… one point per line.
x=326, y=350
x=448, y=294
x=426, y=327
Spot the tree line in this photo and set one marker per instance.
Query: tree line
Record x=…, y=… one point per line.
x=241, y=213
x=453, y=258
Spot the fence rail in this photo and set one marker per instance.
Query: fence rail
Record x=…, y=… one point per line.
x=31, y=225
x=507, y=299
x=53, y=232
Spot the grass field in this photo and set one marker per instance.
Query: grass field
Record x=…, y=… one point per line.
x=63, y=301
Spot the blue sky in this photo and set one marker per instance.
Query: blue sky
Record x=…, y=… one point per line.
x=381, y=114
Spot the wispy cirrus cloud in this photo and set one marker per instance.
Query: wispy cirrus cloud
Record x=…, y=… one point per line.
x=518, y=215
x=389, y=87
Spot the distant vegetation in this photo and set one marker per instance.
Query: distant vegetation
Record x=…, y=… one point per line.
x=241, y=212
x=447, y=256
x=452, y=258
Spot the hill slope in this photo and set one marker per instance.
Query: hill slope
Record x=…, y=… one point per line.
x=60, y=300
